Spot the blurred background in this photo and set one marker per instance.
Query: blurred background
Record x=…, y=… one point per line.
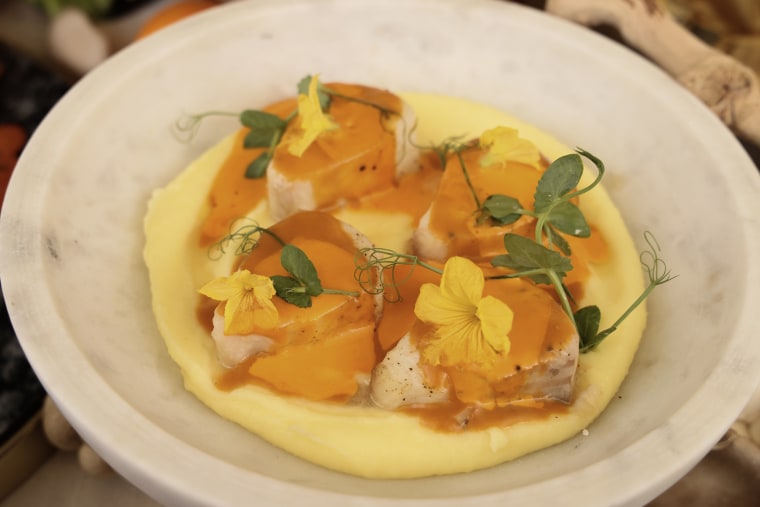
x=45, y=47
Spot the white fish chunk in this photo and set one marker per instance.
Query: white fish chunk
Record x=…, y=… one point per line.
x=398, y=379
x=233, y=350
x=426, y=243
x=287, y=196
x=550, y=378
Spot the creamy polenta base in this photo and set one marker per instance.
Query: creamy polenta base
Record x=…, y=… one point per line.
x=368, y=441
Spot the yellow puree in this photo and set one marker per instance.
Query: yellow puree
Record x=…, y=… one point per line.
x=366, y=441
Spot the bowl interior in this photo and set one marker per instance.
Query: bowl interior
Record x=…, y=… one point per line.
x=76, y=285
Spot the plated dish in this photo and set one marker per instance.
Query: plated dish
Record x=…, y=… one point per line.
x=72, y=223
x=322, y=287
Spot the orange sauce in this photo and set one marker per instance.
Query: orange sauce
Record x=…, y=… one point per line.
x=456, y=416
x=204, y=312
x=585, y=252
x=322, y=369
x=410, y=194
x=401, y=294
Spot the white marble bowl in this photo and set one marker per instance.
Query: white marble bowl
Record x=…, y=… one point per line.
x=78, y=292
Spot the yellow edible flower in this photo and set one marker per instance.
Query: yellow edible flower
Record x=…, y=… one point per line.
x=471, y=329
x=503, y=144
x=248, y=301
x=313, y=121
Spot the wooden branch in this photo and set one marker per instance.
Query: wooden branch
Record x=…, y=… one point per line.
x=727, y=87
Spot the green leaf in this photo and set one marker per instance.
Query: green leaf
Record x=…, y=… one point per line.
x=587, y=321
x=258, y=168
x=256, y=119
x=284, y=284
x=530, y=255
x=258, y=139
x=297, y=263
x=532, y=260
x=557, y=240
x=502, y=209
x=597, y=162
x=291, y=290
x=567, y=218
x=324, y=97
x=560, y=178
x=264, y=128
x=538, y=276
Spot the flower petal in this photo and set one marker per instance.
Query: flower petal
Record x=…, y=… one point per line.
x=462, y=281
x=248, y=299
x=495, y=322
x=262, y=287
x=313, y=121
x=266, y=315
x=239, y=314
x=503, y=144
x=471, y=329
x=458, y=344
x=220, y=289
x=463, y=342
x=435, y=307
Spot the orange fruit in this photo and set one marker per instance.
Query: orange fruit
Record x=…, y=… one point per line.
x=173, y=13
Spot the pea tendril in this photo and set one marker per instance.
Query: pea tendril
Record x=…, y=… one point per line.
x=368, y=260
x=657, y=271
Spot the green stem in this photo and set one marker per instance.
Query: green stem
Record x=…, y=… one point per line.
x=341, y=292
x=541, y=220
x=338, y=292
x=380, y=108
x=416, y=261
x=478, y=206
x=429, y=267
x=290, y=117
x=275, y=236
x=274, y=142
x=600, y=168
x=562, y=295
x=276, y=139
x=631, y=308
x=520, y=274
x=215, y=113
